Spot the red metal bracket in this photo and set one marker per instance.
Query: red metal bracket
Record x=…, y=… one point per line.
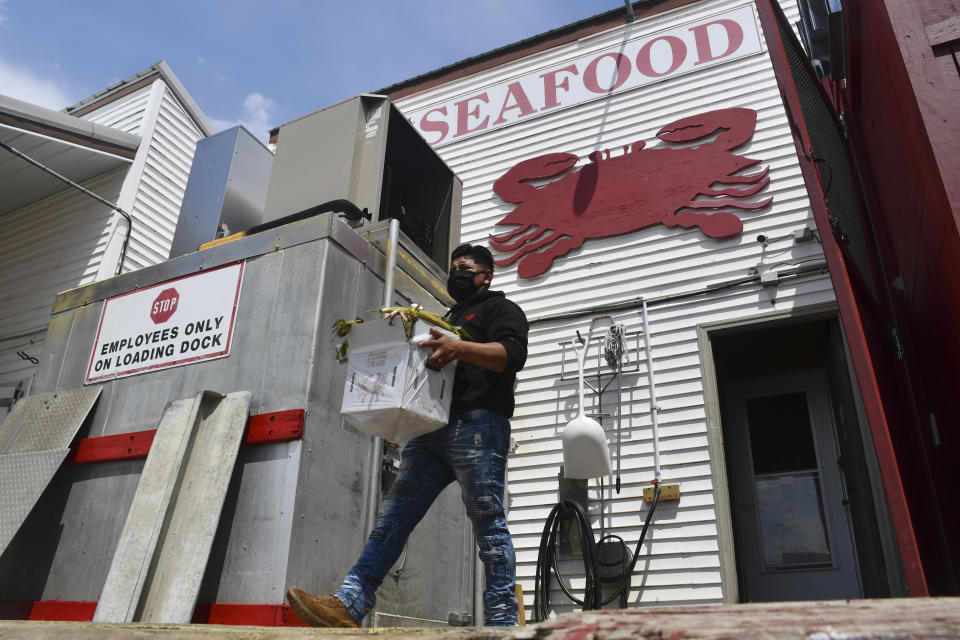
x=276, y=426
x=122, y=446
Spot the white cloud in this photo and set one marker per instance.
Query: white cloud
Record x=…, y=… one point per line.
x=24, y=84
x=3, y=14
x=256, y=116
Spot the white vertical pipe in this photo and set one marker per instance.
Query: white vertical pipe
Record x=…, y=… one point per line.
x=376, y=448
x=654, y=408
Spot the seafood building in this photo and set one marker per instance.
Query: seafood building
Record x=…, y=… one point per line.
x=741, y=169
x=671, y=196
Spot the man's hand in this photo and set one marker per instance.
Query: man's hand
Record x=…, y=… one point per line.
x=444, y=349
x=489, y=355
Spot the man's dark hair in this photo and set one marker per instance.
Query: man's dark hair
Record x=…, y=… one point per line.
x=480, y=254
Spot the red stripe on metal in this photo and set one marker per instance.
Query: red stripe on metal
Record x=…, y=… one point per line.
x=56, y=610
x=260, y=615
x=257, y=615
x=276, y=426
x=850, y=316
x=122, y=446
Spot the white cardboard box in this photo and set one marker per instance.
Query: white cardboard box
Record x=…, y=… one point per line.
x=389, y=391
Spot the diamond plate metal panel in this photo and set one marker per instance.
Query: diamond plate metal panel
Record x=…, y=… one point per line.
x=23, y=477
x=46, y=421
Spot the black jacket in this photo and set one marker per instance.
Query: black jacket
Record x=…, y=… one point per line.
x=489, y=317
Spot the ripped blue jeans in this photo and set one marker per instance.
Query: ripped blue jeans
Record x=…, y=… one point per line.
x=471, y=449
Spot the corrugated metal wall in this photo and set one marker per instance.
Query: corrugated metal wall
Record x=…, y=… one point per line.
x=682, y=561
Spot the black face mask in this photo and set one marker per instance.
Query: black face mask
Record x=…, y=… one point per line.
x=460, y=285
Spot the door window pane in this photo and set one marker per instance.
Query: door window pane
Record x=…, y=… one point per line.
x=793, y=530
x=780, y=436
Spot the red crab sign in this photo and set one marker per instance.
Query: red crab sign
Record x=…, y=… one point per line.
x=692, y=186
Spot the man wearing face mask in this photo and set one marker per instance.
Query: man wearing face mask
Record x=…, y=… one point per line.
x=471, y=449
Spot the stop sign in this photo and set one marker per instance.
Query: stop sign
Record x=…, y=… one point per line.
x=164, y=305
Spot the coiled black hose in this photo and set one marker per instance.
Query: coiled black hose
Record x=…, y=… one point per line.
x=593, y=589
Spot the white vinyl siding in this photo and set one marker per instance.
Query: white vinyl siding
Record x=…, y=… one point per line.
x=163, y=164
x=157, y=206
x=46, y=247
x=125, y=113
x=61, y=242
x=680, y=562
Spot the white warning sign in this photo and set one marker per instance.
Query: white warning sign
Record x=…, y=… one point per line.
x=173, y=323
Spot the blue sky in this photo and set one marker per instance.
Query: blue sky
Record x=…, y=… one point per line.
x=257, y=63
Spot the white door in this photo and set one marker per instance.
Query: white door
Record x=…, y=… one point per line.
x=792, y=526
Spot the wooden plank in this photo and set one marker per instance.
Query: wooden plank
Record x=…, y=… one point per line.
x=944, y=31
x=904, y=618
x=521, y=610
x=173, y=585
x=145, y=519
x=850, y=619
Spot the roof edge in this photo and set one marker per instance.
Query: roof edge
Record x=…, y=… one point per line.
x=161, y=69
x=50, y=122
x=528, y=46
x=185, y=98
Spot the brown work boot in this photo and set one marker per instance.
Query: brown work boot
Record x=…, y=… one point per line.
x=325, y=611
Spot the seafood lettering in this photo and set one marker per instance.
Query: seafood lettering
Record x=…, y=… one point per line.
x=644, y=56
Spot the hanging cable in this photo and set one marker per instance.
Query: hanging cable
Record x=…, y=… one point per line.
x=613, y=348
x=126, y=239
x=593, y=589
x=547, y=561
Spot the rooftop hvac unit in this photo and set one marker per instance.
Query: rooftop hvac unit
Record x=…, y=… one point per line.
x=226, y=189
x=365, y=151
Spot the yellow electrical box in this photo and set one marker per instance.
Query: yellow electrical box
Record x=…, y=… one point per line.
x=667, y=492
